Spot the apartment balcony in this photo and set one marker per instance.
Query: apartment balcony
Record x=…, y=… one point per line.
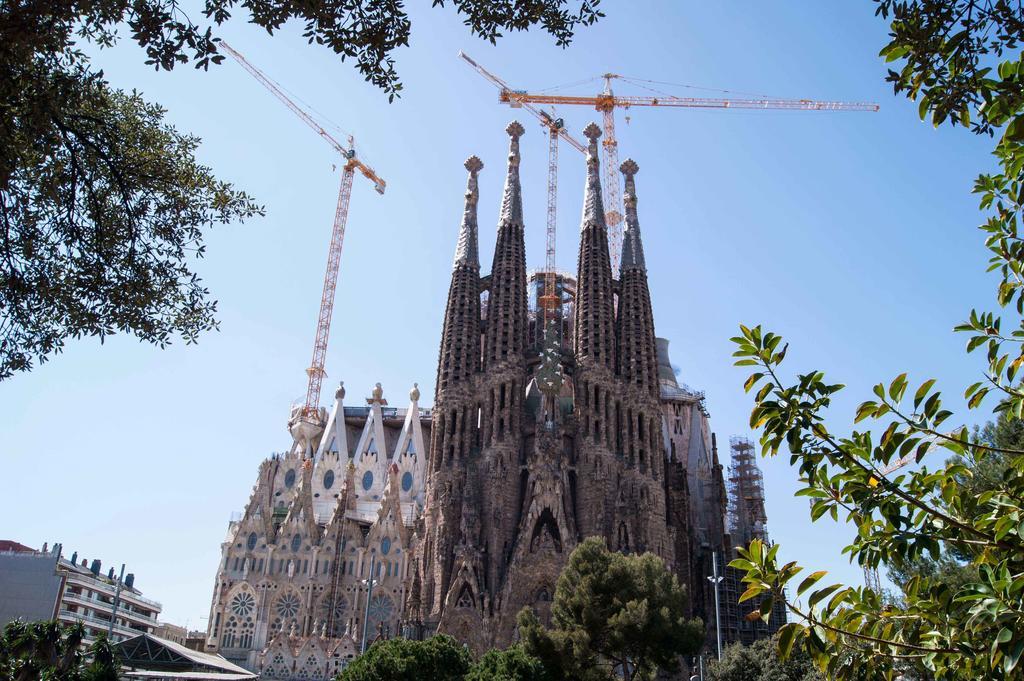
x=90, y=581
x=120, y=630
x=124, y=608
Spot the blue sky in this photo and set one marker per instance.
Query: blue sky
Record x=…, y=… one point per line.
x=847, y=233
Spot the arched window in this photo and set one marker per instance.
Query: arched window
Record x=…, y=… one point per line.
x=251, y=541
x=296, y=542
x=239, y=625
x=623, y=538
x=289, y=479
x=329, y=479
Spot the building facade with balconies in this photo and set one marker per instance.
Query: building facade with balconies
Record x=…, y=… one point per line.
x=72, y=590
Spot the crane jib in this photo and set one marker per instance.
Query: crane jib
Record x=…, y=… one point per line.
x=316, y=372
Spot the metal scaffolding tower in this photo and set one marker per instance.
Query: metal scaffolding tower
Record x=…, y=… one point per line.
x=747, y=517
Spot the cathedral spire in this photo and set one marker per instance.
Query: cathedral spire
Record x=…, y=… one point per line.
x=593, y=206
x=507, y=321
x=460, y=338
x=512, y=198
x=632, y=246
x=595, y=305
x=638, y=357
x=467, y=249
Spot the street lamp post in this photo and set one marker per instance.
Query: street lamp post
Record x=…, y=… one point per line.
x=369, y=594
x=716, y=580
x=117, y=602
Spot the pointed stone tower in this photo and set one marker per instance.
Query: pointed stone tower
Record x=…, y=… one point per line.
x=595, y=304
x=597, y=403
x=641, y=434
x=455, y=407
x=460, y=342
x=541, y=447
x=638, y=357
x=507, y=325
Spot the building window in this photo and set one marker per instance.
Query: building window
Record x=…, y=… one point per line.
x=296, y=542
x=289, y=479
x=251, y=542
x=367, y=480
x=329, y=479
x=385, y=546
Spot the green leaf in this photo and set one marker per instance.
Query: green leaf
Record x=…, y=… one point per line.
x=1013, y=656
x=810, y=581
x=750, y=593
x=766, y=607
x=897, y=387
x=787, y=636
x=923, y=391
x=821, y=594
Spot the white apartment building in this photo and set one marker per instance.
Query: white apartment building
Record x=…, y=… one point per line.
x=48, y=585
x=89, y=597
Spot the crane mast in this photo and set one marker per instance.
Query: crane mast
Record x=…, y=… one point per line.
x=549, y=301
x=607, y=101
x=612, y=195
x=315, y=373
x=556, y=129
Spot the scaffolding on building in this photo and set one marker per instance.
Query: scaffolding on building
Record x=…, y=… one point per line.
x=747, y=517
x=747, y=520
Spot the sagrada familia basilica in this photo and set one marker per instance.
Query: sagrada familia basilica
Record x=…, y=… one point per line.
x=549, y=426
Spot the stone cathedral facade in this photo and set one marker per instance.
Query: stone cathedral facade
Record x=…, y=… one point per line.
x=551, y=423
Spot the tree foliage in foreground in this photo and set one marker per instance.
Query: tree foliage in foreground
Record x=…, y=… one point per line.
x=399, y=659
x=366, y=31
x=612, y=614
x=52, y=651
x=960, y=60
x=101, y=212
x=954, y=567
x=103, y=206
x=441, y=658
x=761, y=662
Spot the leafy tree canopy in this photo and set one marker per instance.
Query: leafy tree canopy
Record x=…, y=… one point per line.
x=398, y=659
x=511, y=664
x=761, y=662
x=963, y=505
x=441, y=658
x=53, y=651
x=103, y=205
x=953, y=567
x=367, y=31
x=613, y=614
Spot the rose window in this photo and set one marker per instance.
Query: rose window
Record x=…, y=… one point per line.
x=339, y=609
x=242, y=604
x=288, y=606
x=382, y=609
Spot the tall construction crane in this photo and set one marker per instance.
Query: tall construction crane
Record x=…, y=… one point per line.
x=556, y=129
x=607, y=101
x=315, y=372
